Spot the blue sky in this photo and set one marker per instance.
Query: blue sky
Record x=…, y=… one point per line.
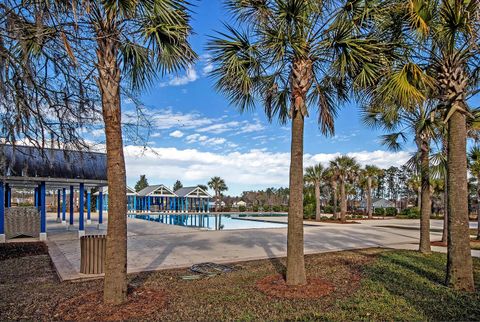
x=197, y=135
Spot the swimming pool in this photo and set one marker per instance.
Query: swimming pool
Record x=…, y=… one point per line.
x=208, y=221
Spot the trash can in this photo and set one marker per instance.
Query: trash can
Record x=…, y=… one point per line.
x=92, y=254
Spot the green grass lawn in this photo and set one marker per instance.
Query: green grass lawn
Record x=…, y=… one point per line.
x=394, y=285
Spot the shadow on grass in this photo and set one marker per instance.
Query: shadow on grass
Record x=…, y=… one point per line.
x=419, y=280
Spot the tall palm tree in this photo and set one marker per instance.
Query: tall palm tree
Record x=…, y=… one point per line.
x=123, y=45
x=314, y=175
x=419, y=120
x=346, y=169
x=290, y=55
x=438, y=51
x=474, y=166
x=371, y=173
x=218, y=185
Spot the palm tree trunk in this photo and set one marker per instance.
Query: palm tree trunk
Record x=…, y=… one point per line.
x=426, y=204
x=318, y=212
x=115, y=282
x=301, y=81
x=295, y=252
x=343, y=202
x=478, y=208
x=335, y=215
x=217, y=200
x=445, y=214
x=419, y=197
x=459, y=258
x=445, y=194
x=369, y=198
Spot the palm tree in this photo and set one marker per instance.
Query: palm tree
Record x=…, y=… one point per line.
x=474, y=166
x=371, y=173
x=331, y=177
x=415, y=184
x=218, y=185
x=420, y=120
x=437, y=57
x=124, y=45
x=346, y=169
x=292, y=54
x=314, y=175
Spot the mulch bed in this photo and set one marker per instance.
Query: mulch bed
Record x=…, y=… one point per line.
x=22, y=249
x=438, y=243
x=141, y=303
x=275, y=286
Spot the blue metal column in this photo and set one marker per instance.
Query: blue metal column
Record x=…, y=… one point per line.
x=148, y=202
x=81, y=210
x=64, y=205
x=8, y=196
x=186, y=203
x=35, y=197
x=89, y=208
x=71, y=205
x=2, y=213
x=59, y=219
x=100, y=207
x=135, y=203
x=43, y=212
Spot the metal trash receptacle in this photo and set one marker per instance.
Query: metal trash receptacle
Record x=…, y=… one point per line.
x=92, y=254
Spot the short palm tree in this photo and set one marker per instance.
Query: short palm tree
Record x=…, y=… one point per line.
x=314, y=175
x=331, y=176
x=437, y=58
x=218, y=185
x=346, y=169
x=371, y=173
x=414, y=183
x=292, y=55
x=420, y=121
x=474, y=166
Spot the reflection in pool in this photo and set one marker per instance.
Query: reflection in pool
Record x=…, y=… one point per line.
x=208, y=221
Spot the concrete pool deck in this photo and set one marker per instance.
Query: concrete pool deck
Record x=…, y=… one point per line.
x=156, y=246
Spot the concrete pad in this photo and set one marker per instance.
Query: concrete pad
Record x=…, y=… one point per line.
x=155, y=246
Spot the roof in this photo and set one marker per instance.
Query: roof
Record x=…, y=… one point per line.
x=158, y=190
x=192, y=192
x=130, y=191
x=381, y=202
x=28, y=162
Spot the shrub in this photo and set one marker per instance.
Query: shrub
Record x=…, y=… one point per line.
x=309, y=211
x=276, y=208
x=255, y=208
x=242, y=208
x=379, y=211
x=391, y=211
x=329, y=209
x=410, y=213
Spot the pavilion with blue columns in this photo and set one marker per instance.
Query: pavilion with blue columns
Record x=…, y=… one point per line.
x=160, y=199
x=131, y=199
x=60, y=172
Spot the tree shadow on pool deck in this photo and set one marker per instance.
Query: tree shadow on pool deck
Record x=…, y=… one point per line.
x=270, y=242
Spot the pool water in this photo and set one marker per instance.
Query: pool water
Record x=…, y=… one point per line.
x=208, y=221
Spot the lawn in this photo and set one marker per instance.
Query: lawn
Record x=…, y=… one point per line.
x=370, y=284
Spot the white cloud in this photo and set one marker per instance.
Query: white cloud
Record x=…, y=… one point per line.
x=98, y=133
x=253, y=169
x=167, y=118
x=234, y=126
x=190, y=76
x=205, y=140
x=156, y=135
x=176, y=134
